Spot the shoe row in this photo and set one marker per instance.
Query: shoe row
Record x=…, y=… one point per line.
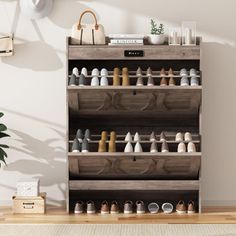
x=80, y=80
x=81, y=141
x=163, y=73
x=129, y=208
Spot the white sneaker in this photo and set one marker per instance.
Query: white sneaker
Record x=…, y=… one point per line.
x=188, y=137
x=181, y=147
x=129, y=147
x=150, y=81
x=138, y=147
x=164, y=147
x=137, y=137
x=191, y=147
x=183, y=72
x=104, y=72
x=193, y=72
x=139, y=81
x=184, y=81
x=95, y=72
x=152, y=137
x=179, y=137
x=128, y=137
x=95, y=81
x=153, y=147
x=84, y=72
x=194, y=81
x=75, y=71
x=104, y=81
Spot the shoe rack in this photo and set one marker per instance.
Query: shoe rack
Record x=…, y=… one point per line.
x=159, y=177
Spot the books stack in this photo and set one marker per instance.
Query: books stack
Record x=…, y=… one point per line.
x=126, y=39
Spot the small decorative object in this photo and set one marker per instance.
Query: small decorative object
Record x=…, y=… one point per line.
x=36, y=9
x=29, y=205
x=3, y=154
x=87, y=33
x=189, y=33
x=28, y=187
x=175, y=37
x=157, y=33
x=6, y=45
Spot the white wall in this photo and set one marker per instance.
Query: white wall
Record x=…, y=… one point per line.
x=32, y=84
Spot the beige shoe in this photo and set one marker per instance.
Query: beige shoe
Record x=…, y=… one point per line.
x=163, y=82
x=188, y=137
x=191, y=147
x=116, y=80
x=112, y=146
x=102, y=146
x=105, y=208
x=191, y=207
x=171, y=81
x=125, y=80
x=181, y=147
x=113, y=135
x=116, y=71
x=163, y=72
x=179, y=137
x=170, y=72
x=104, y=135
x=181, y=207
x=125, y=71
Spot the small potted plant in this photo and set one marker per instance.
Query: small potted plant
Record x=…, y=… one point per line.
x=157, y=33
x=3, y=154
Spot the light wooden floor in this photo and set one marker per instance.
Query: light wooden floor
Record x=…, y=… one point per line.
x=211, y=215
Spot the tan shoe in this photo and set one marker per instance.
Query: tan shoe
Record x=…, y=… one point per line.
x=163, y=82
x=114, y=207
x=171, y=81
x=113, y=135
x=125, y=71
x=105, y=208
x=104, y=135
x=170, y=72
x=102, y=146
x=116, y=80
x=163, y=72
x=191, y=207
x=125, y=80
x=112, y=146
x=116, y=71
x=181, y=207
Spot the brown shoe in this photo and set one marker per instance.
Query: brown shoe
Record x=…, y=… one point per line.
x=114, y=207
x=191, y=207
x=163, y=81
x=102, y=146
x=112, y=146
x=171, y=81
x=104, y=135
x=105, y=208
x=181, y=207
x=163, y=72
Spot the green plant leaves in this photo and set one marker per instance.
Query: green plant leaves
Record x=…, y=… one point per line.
x=4, y=146
x=3, y=127
x=1, y=114
x=3, y=135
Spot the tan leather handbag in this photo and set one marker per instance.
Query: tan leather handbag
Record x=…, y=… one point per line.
x=87, y=33
x=6, y=45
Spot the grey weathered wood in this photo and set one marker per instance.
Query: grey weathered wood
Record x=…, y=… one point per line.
x=134, y=185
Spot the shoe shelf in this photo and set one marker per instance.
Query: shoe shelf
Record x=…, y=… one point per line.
x=149, y=176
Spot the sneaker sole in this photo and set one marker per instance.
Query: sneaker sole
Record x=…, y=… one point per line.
x=191, y=212
x=78, y=212
x=105, y=212
x=128, y=212
x=140, y=212
x=90, y=212
x=181, y=212
x=114, y=212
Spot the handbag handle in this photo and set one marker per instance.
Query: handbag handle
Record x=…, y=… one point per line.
x=81, y=16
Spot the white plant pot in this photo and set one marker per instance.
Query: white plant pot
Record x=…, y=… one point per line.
x=156, y=39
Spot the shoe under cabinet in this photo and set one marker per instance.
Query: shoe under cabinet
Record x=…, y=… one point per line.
x=149, y=111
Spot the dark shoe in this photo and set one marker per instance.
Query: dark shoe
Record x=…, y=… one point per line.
x=85, y=145
x=105, y=208
x=81, y=80
x=191, y=207
x=73, y=80
x=87, y=135
x=102, y=146
x=153, y=207
x=140, y=207
x=114, y=207
x=79, y=135
x=79, y=207
x=128, y=207
x=181, y=207
x=75, y=146
x=91, y=207
x=164, y=147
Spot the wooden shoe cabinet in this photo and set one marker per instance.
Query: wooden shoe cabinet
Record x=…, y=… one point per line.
x=159, y=177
